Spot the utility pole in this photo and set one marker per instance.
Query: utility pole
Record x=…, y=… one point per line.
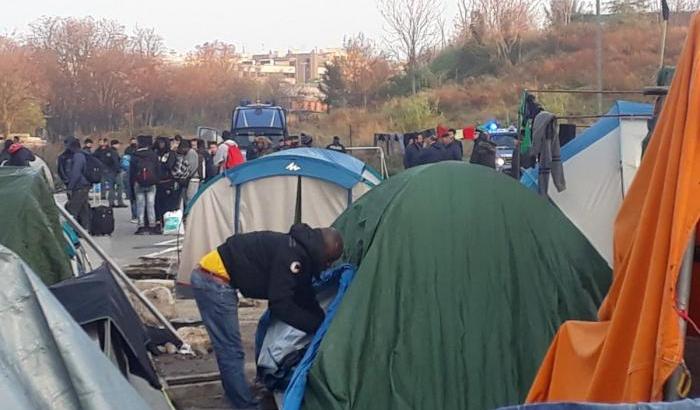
x=599, y=55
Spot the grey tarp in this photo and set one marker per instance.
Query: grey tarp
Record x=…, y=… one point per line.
x=47, y=361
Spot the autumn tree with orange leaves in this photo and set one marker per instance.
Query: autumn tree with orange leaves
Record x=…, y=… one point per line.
x=21, y=88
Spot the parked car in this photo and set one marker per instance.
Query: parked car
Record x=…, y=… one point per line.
x=505, y=140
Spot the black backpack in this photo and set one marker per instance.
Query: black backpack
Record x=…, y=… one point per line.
x=94, y=169
x=146, y=171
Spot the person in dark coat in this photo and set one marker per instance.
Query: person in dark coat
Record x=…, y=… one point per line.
x=453, y=148
x=5, y=153
x=109, y=157
x=168, y=191
x=484, y=152
x=20, y=156
x=266, y=265
x=78, y=186
x=87, y=146
x=126, y=177
x=336, y=145
x=64, y=162
x=116, y=197
x=413, y=149
x=433, y=153
x=144, y=174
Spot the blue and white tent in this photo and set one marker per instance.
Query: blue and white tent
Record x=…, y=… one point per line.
x=599, y=166
x=310, y=185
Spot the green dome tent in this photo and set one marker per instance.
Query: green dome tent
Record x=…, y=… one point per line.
x=30, y=224
x=463, y=278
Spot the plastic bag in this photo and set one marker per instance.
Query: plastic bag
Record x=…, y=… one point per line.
x=172, y=223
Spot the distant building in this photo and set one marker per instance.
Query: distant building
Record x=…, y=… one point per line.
x=295, y=68
x=304, y=99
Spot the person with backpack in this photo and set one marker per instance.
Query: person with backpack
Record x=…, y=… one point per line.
x=144, y=173
x=78, y=186
x=228, y=155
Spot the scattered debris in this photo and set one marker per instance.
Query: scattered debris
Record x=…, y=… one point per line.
x=247, y=303
x=170, y=348
x=153, y=268
x=197, y=338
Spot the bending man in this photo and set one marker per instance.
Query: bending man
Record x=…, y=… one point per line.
x=261, y=265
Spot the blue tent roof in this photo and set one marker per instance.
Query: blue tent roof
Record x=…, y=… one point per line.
x=597, y=131
x=335, y=167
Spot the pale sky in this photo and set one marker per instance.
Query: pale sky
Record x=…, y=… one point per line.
x=257, y=25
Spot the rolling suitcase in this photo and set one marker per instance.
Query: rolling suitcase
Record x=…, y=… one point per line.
x=102, y=217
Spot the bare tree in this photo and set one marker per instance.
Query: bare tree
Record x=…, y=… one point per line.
x=463, y=20
x=147, y=43
x=504, y=22
x=561, y=12
x=412, y=27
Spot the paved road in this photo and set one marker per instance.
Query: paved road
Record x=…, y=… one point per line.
x=123, y=246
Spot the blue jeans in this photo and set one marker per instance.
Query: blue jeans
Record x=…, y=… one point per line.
x=145, y=204
x=218, y=305
x=116, y=188
x=126, y=183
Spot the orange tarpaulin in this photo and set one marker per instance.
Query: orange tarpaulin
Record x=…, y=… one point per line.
x=630, y=354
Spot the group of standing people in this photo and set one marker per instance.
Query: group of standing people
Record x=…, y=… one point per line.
x=423, y=150
x=156, y=176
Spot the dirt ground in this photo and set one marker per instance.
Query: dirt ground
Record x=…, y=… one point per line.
x=210, y=395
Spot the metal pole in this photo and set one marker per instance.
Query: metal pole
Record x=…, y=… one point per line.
x=664, y=33
x=561, y=91
x=383, y=168
x=121, y=275
x=682, y=298
x=599, y=55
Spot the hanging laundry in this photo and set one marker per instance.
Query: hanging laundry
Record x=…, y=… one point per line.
x=469, y=133
x=545, y=147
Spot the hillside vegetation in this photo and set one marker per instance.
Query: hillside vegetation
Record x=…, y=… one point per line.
x=466, y=83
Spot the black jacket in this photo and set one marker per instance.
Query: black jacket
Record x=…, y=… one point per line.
x=64, y=165
x=21, y=158
x=76, y=175
x=412, y=156
x=278, y=267
x=109, y=157
x=453, y=151
x=432, y=154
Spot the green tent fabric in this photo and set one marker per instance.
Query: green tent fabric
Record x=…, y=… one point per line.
x=464, y=277
x=30, y=223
